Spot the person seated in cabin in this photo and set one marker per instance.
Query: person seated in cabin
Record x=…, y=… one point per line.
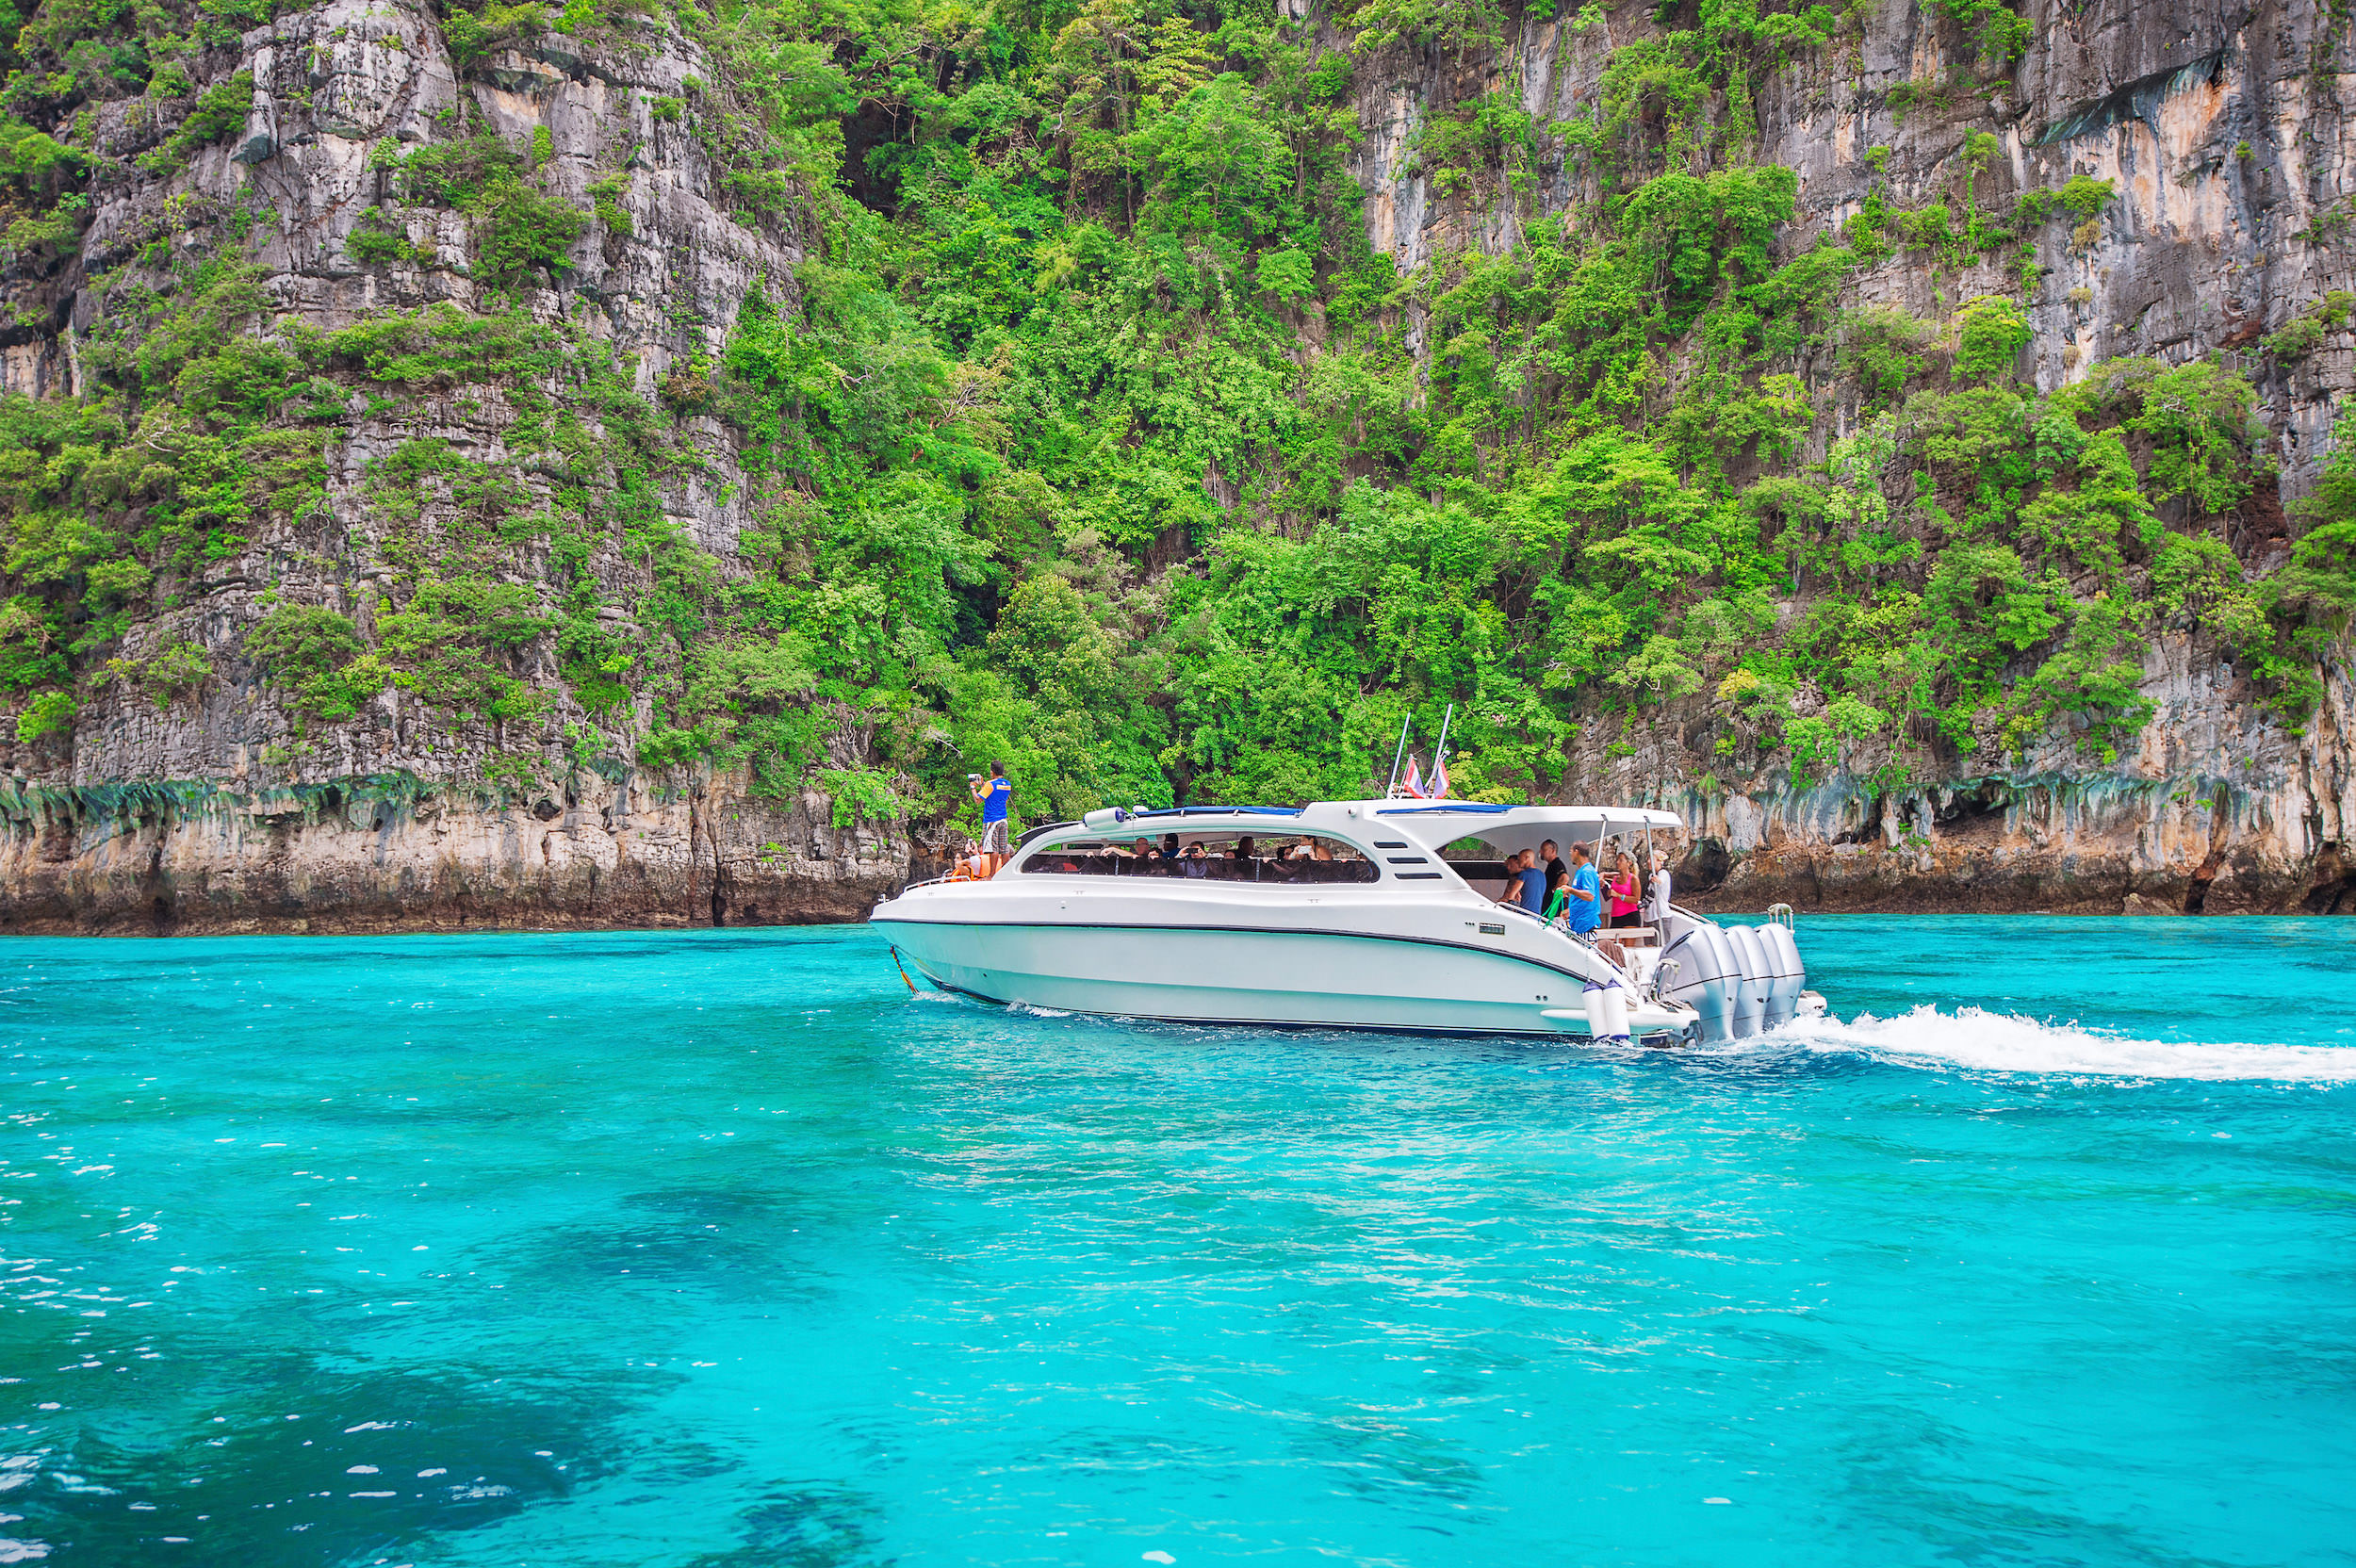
x=1197, y=860
x=1143, y=858
x=1170, y=866
x=1240, y=863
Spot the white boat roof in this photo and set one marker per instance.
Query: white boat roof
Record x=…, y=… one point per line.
x=1430, y=823
x=1613, y=817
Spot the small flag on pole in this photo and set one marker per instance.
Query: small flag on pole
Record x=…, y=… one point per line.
x=1412, y=783
x=1439, y=778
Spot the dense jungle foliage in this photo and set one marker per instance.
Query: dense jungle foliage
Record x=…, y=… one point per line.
x=1095, y=436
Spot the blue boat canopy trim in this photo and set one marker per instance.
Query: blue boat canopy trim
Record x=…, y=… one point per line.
x=1481, y=807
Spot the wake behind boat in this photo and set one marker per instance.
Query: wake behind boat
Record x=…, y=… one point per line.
x=1368, y=914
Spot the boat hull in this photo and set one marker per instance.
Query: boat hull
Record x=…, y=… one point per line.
x=1286, y=975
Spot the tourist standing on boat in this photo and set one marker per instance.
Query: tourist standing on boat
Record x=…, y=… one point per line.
x=1549, y=862
x=1511, y=892
x=1557, y=891
x=1533, y=894
x=993, y=793
x=1585, y=910
x=1625, y=909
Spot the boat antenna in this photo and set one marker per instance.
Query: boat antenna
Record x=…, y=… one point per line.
x=1439, y=752
x=1398, y=757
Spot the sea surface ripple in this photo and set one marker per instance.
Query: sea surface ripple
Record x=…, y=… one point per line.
x=720, y=1249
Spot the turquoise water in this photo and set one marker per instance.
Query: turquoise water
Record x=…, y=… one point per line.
x=721, y=1250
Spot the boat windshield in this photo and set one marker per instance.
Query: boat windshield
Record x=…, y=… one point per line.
x=1274, y=859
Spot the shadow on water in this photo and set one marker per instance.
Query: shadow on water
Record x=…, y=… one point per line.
x=306, y=1464
x=806, y=1528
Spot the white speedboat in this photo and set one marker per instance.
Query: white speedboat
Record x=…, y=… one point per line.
x=1369, y=914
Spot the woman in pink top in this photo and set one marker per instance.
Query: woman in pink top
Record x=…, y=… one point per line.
x=1623, y=889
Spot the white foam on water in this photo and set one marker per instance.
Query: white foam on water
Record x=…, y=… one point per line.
x=2007, y=1042
x=1028, y=1009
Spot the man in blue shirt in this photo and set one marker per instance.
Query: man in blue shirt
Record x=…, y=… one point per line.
x=1532, y=883
x=1583, y=912
x=993, y=793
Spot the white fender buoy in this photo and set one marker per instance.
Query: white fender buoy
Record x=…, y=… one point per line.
x=1607, y=1013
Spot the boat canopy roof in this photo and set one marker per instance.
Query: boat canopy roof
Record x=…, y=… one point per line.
x=1428, y=822
x=1474, y=814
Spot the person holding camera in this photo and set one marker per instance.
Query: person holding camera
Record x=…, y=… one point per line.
x=993, y=793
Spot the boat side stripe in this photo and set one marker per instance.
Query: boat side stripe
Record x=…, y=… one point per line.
x=1240, y=931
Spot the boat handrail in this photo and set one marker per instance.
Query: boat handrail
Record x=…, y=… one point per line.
x=1780, y=914
x=1475, y=808
x=1662, y=973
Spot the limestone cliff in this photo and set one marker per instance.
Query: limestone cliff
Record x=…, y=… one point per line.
x=2227, y=130
x=562, y=417
x=221, y=809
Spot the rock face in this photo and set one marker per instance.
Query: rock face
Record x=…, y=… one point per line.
x=2223, y=123
x=2219, y=812
x=387, y=857
x=220, y=811
x=2228, y=130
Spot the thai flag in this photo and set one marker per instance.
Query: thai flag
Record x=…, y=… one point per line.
x=1412, y=783
x=1439, y=778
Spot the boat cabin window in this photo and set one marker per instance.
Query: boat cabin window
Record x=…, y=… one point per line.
x=1481, y=863
x=1273, y=859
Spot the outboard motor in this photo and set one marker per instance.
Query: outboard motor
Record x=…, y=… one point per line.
x=1706, y=975
x=1750, y=995
x=1791, y=975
